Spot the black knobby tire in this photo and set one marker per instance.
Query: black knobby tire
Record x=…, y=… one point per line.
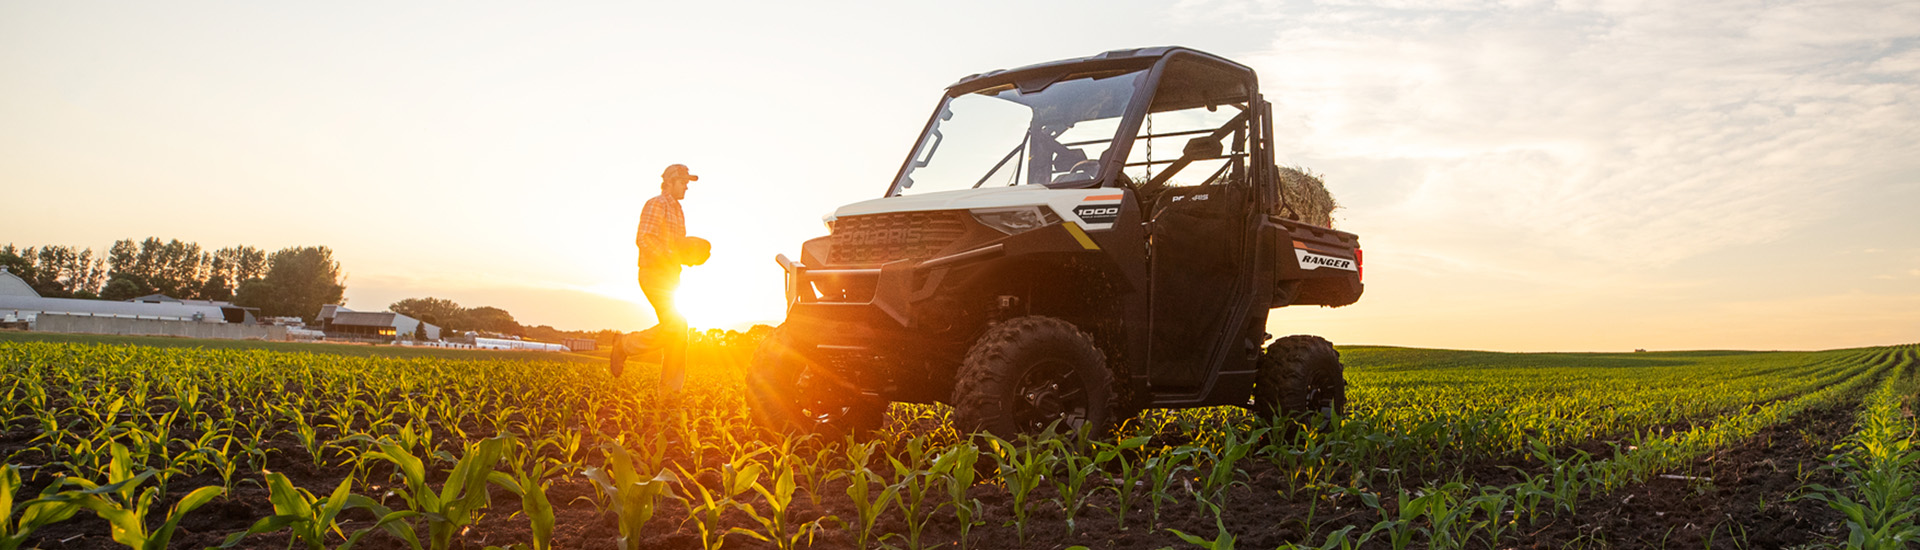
x=783, y=397
x=1027, y=373
x=1300, y=375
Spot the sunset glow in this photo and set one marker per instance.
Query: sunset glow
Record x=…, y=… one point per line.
x=1524, y=176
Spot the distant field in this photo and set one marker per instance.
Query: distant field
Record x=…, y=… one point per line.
x=1438, y=449
x=358, y=350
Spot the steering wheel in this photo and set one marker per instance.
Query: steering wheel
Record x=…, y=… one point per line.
x=1081, y=171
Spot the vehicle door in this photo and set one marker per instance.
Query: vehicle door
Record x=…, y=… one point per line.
x=1190, y=165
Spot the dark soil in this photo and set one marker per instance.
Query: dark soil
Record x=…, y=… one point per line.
x=1739, y=497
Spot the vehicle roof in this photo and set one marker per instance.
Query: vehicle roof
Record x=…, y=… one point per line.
x=1136, y=57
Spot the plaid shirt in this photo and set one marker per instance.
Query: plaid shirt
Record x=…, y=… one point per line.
x=661, y=224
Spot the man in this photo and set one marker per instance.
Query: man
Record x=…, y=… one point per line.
x=662, y=228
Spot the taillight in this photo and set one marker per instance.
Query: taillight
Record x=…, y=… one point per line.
x=1359, y=266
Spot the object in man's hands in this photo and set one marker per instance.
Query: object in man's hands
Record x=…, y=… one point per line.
x=693, y=250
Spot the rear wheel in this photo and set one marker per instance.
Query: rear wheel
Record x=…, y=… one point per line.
x=789, y=392
x=1300, y=375
x=1031, y=373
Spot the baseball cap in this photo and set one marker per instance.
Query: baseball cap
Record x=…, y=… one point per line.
x=679, y=170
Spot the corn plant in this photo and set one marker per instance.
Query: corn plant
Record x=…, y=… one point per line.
x=1399, y=528
x=817, y=472
x=463, y=494
x=775, y=525
x=1162, y=469
x=121, y=502
x=1493, y=505
x=1126, y=487
x=1341, y=539
x=738, y=476
x=957, y=465
x=1445, y=513
x=706, y=511
x=1569, y=477
x=1528, y=495
x=913, y=485
x=19, y=522
x=633, y=498
x=867, y=504
x=1072, y=488
x=1222, y=540
x=310, y=519
x=308, y=436
x=530, y=482
x=566, y=443
x=1223, y=469
x=1022, y=467
x=1880, y=464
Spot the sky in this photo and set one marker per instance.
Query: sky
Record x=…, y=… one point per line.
x=1524, y=176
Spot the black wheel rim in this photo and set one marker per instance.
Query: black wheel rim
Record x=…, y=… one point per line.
x=1049, y=392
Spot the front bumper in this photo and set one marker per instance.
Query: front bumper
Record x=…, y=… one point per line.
x=888, y=294
x=885, y=293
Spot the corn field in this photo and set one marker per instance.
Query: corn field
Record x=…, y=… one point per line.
x=114, y=445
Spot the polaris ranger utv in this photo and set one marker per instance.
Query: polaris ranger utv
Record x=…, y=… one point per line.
x=1069, y=242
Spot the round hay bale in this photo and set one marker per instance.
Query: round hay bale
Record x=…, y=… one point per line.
x=1304, y=197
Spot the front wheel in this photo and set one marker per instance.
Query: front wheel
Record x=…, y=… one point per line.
x=1300, y=375
x=789, y=392
x=1029, y=374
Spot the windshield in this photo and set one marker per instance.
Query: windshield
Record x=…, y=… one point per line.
x=1036, y=133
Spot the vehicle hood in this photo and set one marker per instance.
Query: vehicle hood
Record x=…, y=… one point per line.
x=1063, y=202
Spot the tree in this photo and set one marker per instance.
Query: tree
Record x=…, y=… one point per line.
x=172, y=268
x=228, y=268
x=124, y=280
x=444, y=313
x=258, y=293
x=123, y=287
x=299, y=280
x=178, y=268
x=215, y=289
x=491, y=319
x=55, y=271
x=17, y=262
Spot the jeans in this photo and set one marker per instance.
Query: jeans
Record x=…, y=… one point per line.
x=669, y=336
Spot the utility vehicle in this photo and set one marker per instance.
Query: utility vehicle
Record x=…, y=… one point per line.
x=1067, y=244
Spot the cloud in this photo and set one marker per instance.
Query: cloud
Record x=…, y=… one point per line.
x=1605, y=133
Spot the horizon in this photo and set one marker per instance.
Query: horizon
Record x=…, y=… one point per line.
x=1525, y=177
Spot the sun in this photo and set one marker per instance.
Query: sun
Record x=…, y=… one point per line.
x=731, y=300
x=715, y=299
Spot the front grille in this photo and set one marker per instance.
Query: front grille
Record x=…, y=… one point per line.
x=881, y=238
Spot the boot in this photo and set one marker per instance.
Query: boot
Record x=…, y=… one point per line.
x=617, y=360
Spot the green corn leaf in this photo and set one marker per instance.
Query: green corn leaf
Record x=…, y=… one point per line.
x=267, y=524
x=334, y=504
x=287, y=500
x=9, y=482
x=393, y=523
x=193, y=500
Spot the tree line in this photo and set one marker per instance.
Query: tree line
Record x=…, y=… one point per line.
x=450, y=316
x=290, y=282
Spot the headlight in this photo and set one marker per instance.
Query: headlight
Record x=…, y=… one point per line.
x=1013, y=221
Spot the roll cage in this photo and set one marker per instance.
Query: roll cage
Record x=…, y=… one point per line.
x=1175, y=79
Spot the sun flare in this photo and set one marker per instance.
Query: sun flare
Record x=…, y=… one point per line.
x=710, y=302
